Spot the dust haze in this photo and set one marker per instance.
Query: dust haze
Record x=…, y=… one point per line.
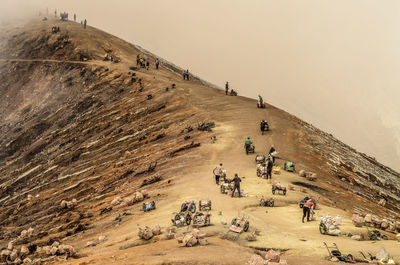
x=332, y=63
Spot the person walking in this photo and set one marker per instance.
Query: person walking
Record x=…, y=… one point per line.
x=157, y=63
x=269, y=168
x=84, y=23
x=307, y=208
x=218, y=172
x=137, y=60
x=236, y=180
x=226, y=88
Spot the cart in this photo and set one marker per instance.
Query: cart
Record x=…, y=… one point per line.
x=334, y=252
x=278, y=187
x=375, y=235
x=148, y=206
x=204, y=205
x=240, y=224
x=260, y=159
x=201, y=219
x=267, y=202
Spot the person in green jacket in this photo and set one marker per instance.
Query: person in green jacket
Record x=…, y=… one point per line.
x=260, y=100
x=247, y=144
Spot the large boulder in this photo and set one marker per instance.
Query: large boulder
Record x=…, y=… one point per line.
x=138, y=196
x=302, y=173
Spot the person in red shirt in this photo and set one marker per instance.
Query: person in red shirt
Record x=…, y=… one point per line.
x=307, y=208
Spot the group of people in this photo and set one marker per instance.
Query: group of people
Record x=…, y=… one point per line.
x=55, y=29
x=220, y=172
x=227, y=92
x=142, y=62
x=186, y=75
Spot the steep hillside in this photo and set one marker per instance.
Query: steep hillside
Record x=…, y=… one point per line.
x=76, y=127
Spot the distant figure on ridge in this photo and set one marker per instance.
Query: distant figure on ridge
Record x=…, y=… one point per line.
x=74, y=17
x=186, y=74
x=226, y=88
x=260, y=103
x=137, y=60
x=157, y=63
x=84, y=23
x=55, y=13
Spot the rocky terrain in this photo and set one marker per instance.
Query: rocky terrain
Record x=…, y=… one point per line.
x=85, y=141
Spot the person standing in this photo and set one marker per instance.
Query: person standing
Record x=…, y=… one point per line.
x=84, y=23
x=157, y=63
x=226, y=88
x=269, y=168
x=271, y=153
x=137, y=60
x=307, y=208
x=55, y=13
x=236, y=180
x=218, y=172
x=74, y=17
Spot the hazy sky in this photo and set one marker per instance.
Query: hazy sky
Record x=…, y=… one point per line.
x=333, y=63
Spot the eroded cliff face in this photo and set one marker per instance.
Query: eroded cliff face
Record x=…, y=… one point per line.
x=357, y=172
x=73, y=128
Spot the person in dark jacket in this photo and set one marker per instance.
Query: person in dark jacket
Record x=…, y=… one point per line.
x=269, y=168
x=226, y=88
x=271, y=150
x=236, y=180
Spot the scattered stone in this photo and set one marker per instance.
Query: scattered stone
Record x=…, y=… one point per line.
x=27, y=261
x=24, y=251
x=145, y=233
x=203, y=242
x=156, y=230
x=256, y=260
x=356, y=237
x=30, y=197
x=171, y=229
x=102, y=238
x=382, y=255
x=10, y=245
x=116, y=201
x=302, y=173
x=273, y=256
x=334, y=259
x=68, y=204
x=252, y=236
x=90, y=244
x=53, y=251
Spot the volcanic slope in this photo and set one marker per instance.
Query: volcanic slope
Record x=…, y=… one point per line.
x=76, y=127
